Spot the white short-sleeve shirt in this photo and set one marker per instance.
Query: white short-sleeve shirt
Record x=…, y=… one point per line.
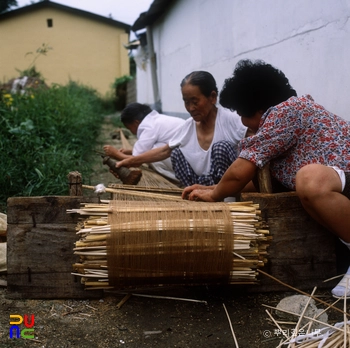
x=156, y=130
x=228, y=126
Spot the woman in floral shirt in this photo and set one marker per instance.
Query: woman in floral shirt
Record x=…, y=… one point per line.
x=308, y=148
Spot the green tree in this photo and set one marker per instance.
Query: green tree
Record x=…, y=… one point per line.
x=6, y=4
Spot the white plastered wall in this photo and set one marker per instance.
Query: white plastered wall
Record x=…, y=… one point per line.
x=307, y=39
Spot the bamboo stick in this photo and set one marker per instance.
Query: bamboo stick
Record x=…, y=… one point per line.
x=137, y=193
x=301, y=316
x=126, y=298
x=231, y=327
x=309, y=318
x=171, y=190
x=300, y=291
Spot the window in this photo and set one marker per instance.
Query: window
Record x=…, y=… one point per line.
x=49, y=23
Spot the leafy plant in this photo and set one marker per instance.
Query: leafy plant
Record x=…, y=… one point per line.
x=45, y=136
x=120, y=91
x=31, y=70
x=121, y=81
x=7, y=4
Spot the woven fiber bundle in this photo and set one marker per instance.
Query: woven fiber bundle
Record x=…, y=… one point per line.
x=166, y=242
x=139, y=243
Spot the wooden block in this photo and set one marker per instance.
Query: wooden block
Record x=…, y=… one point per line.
x=40, y=242
x=42, y=210
x=302, y=252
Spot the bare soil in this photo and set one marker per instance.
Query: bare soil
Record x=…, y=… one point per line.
x=163, y=320
x=146, y=322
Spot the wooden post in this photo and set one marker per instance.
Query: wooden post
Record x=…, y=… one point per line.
x=75, y=184
x=264, y=179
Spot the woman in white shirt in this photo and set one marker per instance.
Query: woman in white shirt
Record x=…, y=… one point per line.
x=206, y=145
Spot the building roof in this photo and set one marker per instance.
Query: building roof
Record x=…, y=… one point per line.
x=77, y=12
x=157, y=8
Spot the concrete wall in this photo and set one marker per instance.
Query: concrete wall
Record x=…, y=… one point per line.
x=307, y=39
x=84, y=50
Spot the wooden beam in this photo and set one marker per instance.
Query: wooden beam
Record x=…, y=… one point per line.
x=301, y=252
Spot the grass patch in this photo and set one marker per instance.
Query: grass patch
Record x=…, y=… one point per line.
x=116, y=122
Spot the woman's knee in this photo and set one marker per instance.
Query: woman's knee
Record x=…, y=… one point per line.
x=314, y=180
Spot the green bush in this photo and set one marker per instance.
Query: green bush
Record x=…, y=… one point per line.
x=120, y=86
x=44, y=135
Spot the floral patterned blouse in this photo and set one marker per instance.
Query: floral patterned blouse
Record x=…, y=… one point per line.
x=295, y=133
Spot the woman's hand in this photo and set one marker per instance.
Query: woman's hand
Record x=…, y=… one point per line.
x=110, y=151
x=127, y=162
x=115, y=153
x=188, y=190
x=204, y=195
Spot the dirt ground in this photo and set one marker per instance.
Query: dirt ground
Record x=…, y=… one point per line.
x=147, y=322
x=174, y=316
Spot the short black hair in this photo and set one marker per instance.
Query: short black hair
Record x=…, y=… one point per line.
x=134, y=111
x=255, y=86
x=203, y=79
